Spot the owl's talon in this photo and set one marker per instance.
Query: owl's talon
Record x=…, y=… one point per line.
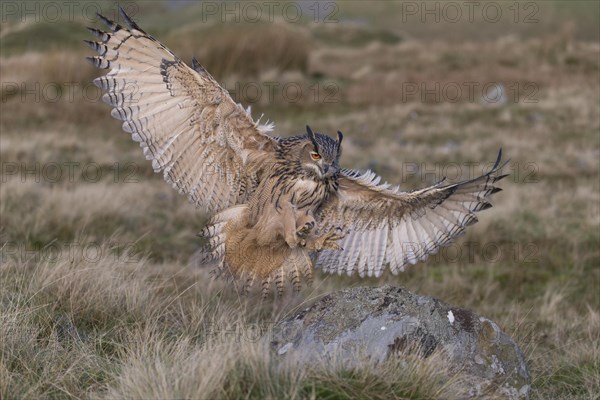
x=330, y=242
x=326, y=241
x=306, y=229
x=335, y=234
x=328, y=245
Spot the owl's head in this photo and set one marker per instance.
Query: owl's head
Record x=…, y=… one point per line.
x=320, y=155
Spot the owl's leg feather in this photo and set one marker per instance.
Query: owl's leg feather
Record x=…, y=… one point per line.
x=296, y=227
x=289, y=225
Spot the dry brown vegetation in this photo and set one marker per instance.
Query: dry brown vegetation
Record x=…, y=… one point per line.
x=99, y=298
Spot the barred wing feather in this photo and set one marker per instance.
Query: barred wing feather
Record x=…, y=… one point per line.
x=205, y=144
x=386, y=226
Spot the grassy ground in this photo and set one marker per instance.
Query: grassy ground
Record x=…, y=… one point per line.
x=99, y=298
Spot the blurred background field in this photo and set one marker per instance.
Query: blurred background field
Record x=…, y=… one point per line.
x=100, y=295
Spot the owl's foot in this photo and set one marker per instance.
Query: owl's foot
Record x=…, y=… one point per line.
x=326, y=241
x=299, y=238
x=305, y=229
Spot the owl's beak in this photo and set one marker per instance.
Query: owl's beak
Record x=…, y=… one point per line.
x=329, y=170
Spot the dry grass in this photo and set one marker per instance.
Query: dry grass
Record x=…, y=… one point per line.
x=116, y=328
x=97, y=295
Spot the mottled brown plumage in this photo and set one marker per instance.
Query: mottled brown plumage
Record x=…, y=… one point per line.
x=278, y=203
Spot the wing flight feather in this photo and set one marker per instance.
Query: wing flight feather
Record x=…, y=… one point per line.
x=389, y=227
x=207, y=146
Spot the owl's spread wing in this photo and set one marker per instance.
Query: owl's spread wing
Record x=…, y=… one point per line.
x=205, y=144
x=388, y=227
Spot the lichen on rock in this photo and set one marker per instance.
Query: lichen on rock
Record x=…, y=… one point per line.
x=383, y=322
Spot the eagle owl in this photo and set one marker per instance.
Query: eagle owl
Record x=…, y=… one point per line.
x=279, y=206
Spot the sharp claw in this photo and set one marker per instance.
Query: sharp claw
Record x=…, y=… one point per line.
x=306, y=229
x=302, y=234
x=330, y=242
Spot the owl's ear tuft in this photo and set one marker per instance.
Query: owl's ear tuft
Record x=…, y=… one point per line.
x=311, y=136
x=340, y=137
x=339, y=143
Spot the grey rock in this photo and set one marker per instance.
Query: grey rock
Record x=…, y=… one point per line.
x=382, y=322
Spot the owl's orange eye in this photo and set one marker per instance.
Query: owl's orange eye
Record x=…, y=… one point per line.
x=315, y=156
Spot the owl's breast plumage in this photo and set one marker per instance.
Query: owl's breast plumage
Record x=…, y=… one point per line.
x=307, y=193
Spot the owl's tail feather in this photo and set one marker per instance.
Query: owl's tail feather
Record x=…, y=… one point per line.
x=297, y=265
x=279, y=282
